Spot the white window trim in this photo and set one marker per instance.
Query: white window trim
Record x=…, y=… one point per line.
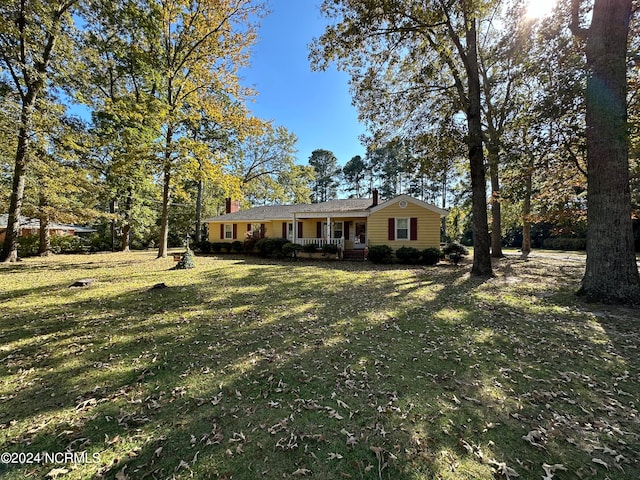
x=331, y=233
x=398, y=228
x=255, y=230
x=228, y=231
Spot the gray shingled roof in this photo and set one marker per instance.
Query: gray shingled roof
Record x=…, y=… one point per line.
x=26, y=222
x=285, y=212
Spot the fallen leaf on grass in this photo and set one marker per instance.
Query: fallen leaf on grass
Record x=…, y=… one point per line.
x=303, y=472
x=600, y=462
x=55, y=472
x=184, y=465
x=122, y=475
x=501, y=468
x=533, y=438
x=550, y=470
x=334, y=414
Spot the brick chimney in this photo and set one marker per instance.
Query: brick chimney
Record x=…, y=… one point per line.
x=231, y=206
x=375, y=197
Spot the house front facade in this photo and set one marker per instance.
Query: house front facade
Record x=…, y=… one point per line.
x=351, y=224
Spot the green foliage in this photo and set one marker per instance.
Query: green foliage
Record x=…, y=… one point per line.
x=249, y=245
x=271, y=247
x=563, y=243
x=186, y=262
x=69, y=244
x=291, y=249
x=455, y=251
x=216, y=247
x=390, y=161
x=431, y=256
x=28, y=245
x=354, y=173
x=325, y=165
x=409, y=255
x=204, y=246
x=380, y=254
x=310, y=248
x=265, y=165
x=330, y=248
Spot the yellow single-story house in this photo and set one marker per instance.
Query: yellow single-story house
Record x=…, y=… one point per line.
x=351, y=224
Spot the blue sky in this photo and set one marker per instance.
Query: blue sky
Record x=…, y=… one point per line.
x=316, y=106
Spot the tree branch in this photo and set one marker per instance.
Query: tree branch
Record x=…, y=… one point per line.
x=574, y=25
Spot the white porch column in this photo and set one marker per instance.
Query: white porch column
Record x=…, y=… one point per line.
x=295, y=229
x=328, y=233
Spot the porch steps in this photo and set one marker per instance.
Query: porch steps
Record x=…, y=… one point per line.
x=354, y=255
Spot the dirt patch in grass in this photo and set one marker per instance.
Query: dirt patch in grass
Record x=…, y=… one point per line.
x=243, y=368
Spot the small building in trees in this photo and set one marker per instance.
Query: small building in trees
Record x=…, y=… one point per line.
x=351, y=224
x=31, y=226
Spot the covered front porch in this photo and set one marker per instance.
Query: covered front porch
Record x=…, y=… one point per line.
x=347, y=233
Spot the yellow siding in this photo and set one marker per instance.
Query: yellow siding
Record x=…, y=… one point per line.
x=308, y=227
x=272, y=229
x=428, y=226
x=377, y=227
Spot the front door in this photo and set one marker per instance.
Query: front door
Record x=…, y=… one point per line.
x=360, y=240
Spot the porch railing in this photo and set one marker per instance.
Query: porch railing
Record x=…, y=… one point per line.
x=321, y=242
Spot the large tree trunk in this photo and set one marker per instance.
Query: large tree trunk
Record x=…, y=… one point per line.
x=611, y=274
x=125, y=237
x=126, y=227
x=526, y=212
x=443, y=220
x=164, y=222
x=496, y=219
x=34, y=81
x=10, y=248
x=199, y=211
x=481, y=253
x=44, y=241
x=166, y=196
x=44, y=244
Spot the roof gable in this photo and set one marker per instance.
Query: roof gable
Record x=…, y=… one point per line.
x=440, y=211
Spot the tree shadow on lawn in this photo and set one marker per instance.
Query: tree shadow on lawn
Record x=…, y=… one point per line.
x=241, y=333
x=270, y=371
x=573, y=381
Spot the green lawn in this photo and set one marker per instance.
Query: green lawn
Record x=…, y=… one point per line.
x=246, y=368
